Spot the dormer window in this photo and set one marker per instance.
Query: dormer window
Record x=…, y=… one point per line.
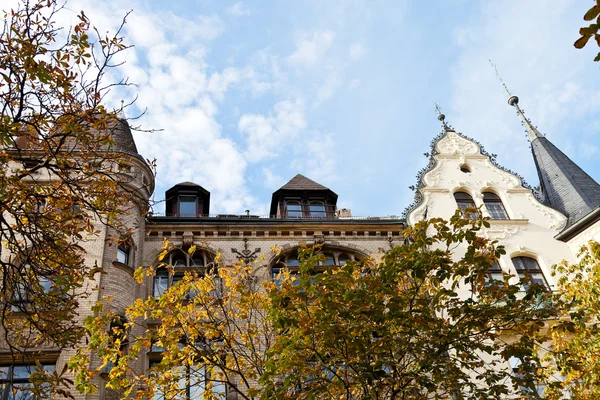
x=187, y=200
x=188, y=206
x=303, y=198
x=293, y=209
x=317, y=209
x=306, y=209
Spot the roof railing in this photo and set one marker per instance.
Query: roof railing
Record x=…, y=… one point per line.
x=255, y=217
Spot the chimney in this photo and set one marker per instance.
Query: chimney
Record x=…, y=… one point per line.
x=344, y=213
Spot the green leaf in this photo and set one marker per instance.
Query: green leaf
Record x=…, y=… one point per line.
x=597, y=57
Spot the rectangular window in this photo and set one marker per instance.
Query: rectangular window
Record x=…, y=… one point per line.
x=193, y=384
x=22, y=296
x=15, y=384
x=161, y=283
x=293, y=209
x=187, y=206
x=317, y=209
x=495, y=275
x=123, y=253
x=496, y=210
x=468, y=209
x=528, y=269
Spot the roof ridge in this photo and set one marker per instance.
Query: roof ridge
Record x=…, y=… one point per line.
x=301, y=182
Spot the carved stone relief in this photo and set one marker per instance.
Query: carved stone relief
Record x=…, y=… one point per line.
x=454, y=144
x=511, y=181
x=556, y=220
x=502, y=232
x=434, y=177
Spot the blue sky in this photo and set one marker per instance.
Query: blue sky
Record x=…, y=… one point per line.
x=249, y=93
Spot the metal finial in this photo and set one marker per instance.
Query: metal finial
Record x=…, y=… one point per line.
x=121, y=112
x=500, y=78
x=442, y=118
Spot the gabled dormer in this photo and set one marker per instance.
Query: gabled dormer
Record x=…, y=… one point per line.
x=187, y=199
x=303, y=198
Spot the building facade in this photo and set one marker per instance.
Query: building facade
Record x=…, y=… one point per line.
x=538, y=228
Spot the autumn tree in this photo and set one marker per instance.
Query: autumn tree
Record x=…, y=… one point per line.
x=209, y=331
x=571, y=355
x=590, y=31
x=421, y=321
x=59, y=177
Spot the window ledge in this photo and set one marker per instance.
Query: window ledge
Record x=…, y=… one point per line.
x=508, y=221
x=122, y=266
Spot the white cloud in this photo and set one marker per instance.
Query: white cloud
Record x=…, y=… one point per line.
x=270, y=180
x=266, y=136
x=317, y=156
x=357, y=51
x=239, y=9
x=332, y=83
x=310, y=48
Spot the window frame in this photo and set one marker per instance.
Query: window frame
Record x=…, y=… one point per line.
x=494, y=199
x=317, y=213
x=194, y=202
x=466, y=202
x=124, y=252
x=21, y=297
x=294, y=202
x=524, y=271
x=493, y=272
x=187, y=377
x=7, y=384
x=179, y=270
x=290, y=262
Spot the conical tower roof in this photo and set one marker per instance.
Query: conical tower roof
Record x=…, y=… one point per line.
x=565, y=186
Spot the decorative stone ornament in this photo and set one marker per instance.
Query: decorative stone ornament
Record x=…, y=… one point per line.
x=246, y=255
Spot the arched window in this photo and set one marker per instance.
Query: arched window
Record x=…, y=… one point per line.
x=200, y=263
x=293, y=209
x=329, y=260
x=495, y=275
x=343, y=258
x=291, y=263
x=317, y=209
x=494, y=206
x=529, y=269
x=466, y=204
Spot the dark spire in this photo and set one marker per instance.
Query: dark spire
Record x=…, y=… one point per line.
x=565, y=186
x=532, y=132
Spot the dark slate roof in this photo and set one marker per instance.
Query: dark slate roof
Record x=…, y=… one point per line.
x=189, y=186
x=123, y=138
x=565, y=186
x=300, y=185
x=300, y=182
